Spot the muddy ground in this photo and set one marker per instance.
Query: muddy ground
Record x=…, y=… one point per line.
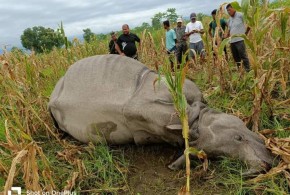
x=148, y=173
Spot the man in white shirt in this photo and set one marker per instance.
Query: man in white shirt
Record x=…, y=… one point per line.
x=194, y=30
x=236, y=27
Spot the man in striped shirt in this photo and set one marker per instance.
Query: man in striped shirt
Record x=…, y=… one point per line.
x=181, y=40
x=236, y=26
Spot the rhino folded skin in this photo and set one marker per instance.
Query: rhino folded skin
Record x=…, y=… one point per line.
x=111, y=98
x=220, y=134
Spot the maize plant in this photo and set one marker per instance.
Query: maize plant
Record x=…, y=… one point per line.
x=266, y=41
x=174, y=80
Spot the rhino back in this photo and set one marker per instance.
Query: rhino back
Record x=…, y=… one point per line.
x=91, y=95
x=107, y=77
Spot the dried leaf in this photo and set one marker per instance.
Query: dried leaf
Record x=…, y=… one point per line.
x=261, y=81
x=3, y=168
x=267, y=131
x=183, y=191
x=72, y=182
x=15, y=161
x=31, y=176
x=274, y=171
x=49, y=184
x=10, y=142
x=68, y=154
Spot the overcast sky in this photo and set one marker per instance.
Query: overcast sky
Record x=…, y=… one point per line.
x=101, y=16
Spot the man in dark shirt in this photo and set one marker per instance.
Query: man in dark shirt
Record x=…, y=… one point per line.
x=212, y=28
x=126, y=43
x=112, y=44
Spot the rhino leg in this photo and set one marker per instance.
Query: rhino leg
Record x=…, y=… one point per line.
x=142, y=137
x=178, y=164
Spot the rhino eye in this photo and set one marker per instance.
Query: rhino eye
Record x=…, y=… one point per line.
x=238, y=138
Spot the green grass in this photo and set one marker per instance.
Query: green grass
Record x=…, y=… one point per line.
x=103, y=168
x=228, y=177
x=2, y=130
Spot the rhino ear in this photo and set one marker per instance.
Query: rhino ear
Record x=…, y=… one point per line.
x=174, y=127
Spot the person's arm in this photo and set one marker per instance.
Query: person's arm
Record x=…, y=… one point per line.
x=111, y=47
x=117, y=47
x=174, y=37
x=119, y=50
x=227, y=31
x=209, y=31
x=247, y=30
x=138, y=40
x=140, y=45
x=201, y=31
x=187, y=32
x=224, y=27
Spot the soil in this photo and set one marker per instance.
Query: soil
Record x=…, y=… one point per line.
x=148, y=173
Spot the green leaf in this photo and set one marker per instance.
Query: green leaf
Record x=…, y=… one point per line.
x=25, y=136
x=245, y=7
x=222, y=45
x=236, y=6
x=248, y=42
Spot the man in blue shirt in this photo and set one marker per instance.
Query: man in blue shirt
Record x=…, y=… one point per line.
x=170, y=41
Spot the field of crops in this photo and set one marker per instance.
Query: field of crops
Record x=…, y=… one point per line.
x=37, y=157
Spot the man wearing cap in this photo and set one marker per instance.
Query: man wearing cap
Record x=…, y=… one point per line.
x=181, y=40
x=126, y=45
x=194, y=30
x=236, y=26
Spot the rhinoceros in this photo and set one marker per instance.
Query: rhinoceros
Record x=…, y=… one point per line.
x=112, y=99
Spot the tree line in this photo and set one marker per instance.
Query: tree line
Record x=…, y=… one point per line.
x=40, y=39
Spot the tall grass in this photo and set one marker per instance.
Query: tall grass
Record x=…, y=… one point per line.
x=29, y=143
x=265, y=53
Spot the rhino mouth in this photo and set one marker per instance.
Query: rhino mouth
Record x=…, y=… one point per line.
x=255, y=170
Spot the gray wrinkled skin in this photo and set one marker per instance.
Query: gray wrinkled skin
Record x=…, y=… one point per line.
x=111, y=98
x=220, y=134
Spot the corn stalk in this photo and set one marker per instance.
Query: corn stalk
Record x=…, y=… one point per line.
x=174, y=81
x=264, y=24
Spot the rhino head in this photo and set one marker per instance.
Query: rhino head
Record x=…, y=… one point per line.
x=221, y=134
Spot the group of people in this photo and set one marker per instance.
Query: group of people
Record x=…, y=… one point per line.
x=176, y=39
x=125, y=44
